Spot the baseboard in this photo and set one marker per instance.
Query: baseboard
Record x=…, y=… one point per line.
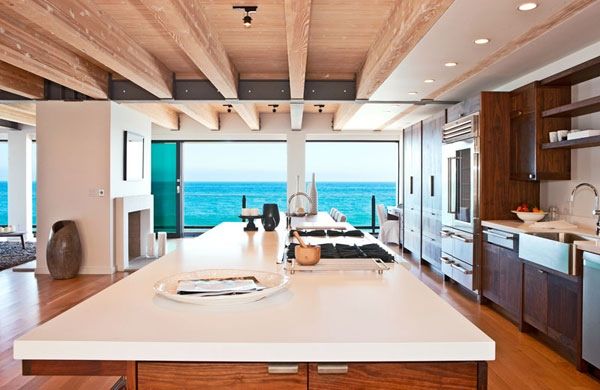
x=85, y=270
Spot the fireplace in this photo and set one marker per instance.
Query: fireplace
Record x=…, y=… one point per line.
x=134, y=219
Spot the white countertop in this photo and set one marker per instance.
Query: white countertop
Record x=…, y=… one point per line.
x=341, y=317
x=512, y=226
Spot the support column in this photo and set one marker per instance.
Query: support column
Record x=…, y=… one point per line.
x=20, y=209
x=296, y=161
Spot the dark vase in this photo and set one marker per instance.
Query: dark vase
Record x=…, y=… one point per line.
x=63, y=252
x=270, y=216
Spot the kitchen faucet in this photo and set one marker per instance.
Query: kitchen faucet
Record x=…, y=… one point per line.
x=596, y=211
x=289, y=213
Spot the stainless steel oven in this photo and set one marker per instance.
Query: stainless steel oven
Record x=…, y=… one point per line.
x=460, y=200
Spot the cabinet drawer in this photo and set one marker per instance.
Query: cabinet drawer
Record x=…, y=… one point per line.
x=461, y=375
x=432, y=249
x=412, y=217
x=412, y=241
x=231, y=376
x=432, y=222
x=457, y=270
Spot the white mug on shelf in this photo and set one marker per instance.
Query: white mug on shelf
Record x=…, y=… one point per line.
x=553, y=136
x=562, y=135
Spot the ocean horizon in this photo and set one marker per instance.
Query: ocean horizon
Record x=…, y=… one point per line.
x=210, y=203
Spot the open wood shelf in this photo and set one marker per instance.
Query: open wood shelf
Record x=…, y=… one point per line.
x=582, y=107
x=575, y=75
x=587, y=142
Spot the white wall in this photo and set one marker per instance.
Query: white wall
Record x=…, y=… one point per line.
x=20, y=210
x=80, y=152
x=585, y=163
x=73, y=163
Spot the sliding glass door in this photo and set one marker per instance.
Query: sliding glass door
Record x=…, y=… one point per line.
x=166, y=187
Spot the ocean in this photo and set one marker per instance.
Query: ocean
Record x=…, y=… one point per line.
x=210, y=203
x=4, y=202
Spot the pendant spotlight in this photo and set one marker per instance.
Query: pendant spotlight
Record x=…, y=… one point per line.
x=247, y=19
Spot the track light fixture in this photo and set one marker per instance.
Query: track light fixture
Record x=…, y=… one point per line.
x=247, y=19
x=274, y=106
x=320, y=107
x=229, y=107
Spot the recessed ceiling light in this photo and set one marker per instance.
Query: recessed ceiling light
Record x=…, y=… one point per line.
x=429, y=81
x=482, y=41
x=527, y=6
x=450, y=64
x=412, y=93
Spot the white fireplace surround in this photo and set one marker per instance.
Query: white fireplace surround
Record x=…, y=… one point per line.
x=123, y=206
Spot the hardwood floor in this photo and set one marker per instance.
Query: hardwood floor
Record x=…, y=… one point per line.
x=27, y=300
x=522, y=362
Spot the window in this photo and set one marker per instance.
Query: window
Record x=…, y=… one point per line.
x=217, y=174
x=348, y=174
x=3, y=183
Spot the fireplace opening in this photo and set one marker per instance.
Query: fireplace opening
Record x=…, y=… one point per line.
x=135, y=234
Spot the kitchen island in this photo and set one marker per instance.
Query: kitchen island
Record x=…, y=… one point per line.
x=326, y=330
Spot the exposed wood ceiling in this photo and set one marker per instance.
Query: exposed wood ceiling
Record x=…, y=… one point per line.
x=18, y=112
x=387, y=46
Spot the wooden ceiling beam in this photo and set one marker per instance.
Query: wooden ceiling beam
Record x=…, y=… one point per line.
x=80, y=25
x=407, y=24
x=190, y=29
x=297, y=26
x=20, y=82
x=41, y=55
x=162, y=114
x=249, y=114
x=204, y=114
x=18, y=112
x=344, y=113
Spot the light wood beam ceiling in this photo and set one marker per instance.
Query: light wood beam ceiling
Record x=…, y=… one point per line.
x=407, y=24
x=249, y=114
x=297, y=25
x=187, y=24
x=80, y=25
x=567, y=11
x=162, y=114
x=344, y=113
x=20, y=82
x=41, y=55
x=18, y=112
x=201, y=113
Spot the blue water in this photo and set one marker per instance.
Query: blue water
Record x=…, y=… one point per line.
x=210, y=203
x=4, y=202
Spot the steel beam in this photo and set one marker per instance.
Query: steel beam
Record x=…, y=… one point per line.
x=10, y=125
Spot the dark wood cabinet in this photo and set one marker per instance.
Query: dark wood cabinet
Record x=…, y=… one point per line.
x=412, y=140
x=562, y=310
x=432, y=188
x=535, y=297
x=529, y=131
x=501, y=278
x=464, y=108
x=551, y=304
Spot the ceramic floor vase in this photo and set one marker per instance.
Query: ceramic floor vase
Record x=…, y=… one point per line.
x=63, y=252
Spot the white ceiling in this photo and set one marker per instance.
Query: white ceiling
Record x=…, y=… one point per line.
x=451, y=39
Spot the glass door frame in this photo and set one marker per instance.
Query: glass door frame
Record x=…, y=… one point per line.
x=179, y=200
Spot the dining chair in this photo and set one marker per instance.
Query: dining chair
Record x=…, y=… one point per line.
x=389, y=230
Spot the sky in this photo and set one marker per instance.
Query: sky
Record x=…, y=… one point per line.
x=267, y=161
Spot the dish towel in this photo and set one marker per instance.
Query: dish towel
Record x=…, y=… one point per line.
x=559, y=225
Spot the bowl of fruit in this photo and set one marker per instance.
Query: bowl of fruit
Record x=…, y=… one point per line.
x=529, y=214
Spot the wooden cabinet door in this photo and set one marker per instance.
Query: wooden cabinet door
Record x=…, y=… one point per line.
x=511, y=281
x=523, y=133
x=432, y=161
x=535, y=297
x=562, y=310
x=388, y=376
x=231, y=376
x=491, y=271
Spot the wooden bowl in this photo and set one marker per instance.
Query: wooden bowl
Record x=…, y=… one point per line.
x=309, y=255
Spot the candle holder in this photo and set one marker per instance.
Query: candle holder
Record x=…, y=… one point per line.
x=250, y=227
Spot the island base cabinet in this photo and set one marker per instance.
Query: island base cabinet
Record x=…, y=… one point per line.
x=230, y=376
x=321, y=376
x=384, y=376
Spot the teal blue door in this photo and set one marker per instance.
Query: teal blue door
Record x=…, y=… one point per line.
x=166, y=187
